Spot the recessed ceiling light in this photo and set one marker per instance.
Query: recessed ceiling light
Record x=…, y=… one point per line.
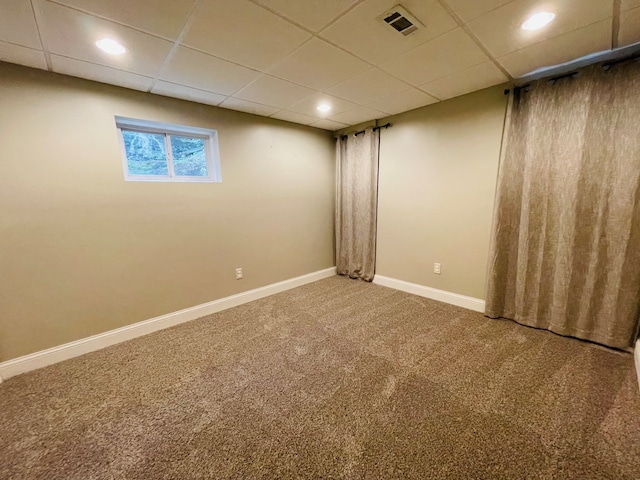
x=538, y=20
x=324, y=107
x=110, y=46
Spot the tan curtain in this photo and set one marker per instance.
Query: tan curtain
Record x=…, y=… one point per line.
x=565, y=252
x=356, y=204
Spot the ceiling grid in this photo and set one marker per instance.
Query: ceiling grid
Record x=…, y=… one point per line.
x=282, y=58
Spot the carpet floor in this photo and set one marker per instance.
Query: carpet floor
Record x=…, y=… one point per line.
x=335, y=379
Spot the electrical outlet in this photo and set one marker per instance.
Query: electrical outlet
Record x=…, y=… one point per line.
x=238, y=273
x=436, y=268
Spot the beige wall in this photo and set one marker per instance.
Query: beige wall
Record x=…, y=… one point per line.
x=438, y=169
x=83, y=252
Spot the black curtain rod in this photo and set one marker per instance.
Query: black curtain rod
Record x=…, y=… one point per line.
x=355, y=134
x=385, y=126
x=553, y=80
x=606, y=66
x=550, y=81
x=635, y=57
x=526, y=88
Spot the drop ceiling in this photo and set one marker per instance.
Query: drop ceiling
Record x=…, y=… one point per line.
x=280, y=58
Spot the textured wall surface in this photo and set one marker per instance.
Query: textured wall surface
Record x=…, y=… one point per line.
x=82, y=251
x=438, y=170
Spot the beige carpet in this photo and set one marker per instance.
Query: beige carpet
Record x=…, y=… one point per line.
x=336, y=379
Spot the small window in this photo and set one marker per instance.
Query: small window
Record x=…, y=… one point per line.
x=161, y=152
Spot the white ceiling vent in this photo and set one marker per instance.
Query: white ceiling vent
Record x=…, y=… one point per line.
x=400, y=20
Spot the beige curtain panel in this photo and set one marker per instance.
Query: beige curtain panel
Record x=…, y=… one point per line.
x=565, y=252
x=356, y=204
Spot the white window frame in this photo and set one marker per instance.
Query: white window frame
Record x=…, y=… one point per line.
x=212, y=153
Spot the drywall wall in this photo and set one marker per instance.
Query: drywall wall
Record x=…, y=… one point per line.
x=83, y=252
x=438, y=171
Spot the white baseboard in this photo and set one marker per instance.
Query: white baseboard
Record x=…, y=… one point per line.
x=433, y=293
x=53, y=355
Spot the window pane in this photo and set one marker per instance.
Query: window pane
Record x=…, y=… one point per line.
x=189, y=156
x=146, y=153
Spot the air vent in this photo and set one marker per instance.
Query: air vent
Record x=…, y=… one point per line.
x=400, y=20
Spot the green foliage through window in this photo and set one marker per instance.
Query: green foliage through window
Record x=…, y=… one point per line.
x=146, y=153
x=189, y=156
x=163, y=152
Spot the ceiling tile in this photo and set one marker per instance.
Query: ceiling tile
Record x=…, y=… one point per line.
x=629, y=5
x=362, y=33
x=319, y=65
x=17, y=23
x=443, y=56
x=470, y=9
x=156, y=16
x=309, y=105
x=198, y=70
x=501, y=33
x=187, y=93
x=273, y=91
x=99, y=73
x=244, y=33
x=294, y=117
x=368, y=86
x=629, y=27
x=313, y=15
x=22, y=55
x=73, y=34
x=248, y=107
x=475, y=78
x=567, y=47
x=358, y=115
x=329, y=125
x=403, y=101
